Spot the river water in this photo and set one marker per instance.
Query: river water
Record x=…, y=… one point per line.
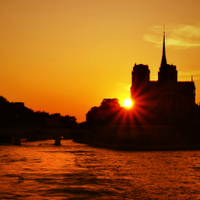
x=40, y=170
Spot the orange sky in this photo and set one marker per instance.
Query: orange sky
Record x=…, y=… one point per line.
x=65, y=56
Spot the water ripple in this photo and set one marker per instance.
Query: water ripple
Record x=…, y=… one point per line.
x=77, y=171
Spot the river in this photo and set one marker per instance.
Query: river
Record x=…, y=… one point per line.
x=40, y=170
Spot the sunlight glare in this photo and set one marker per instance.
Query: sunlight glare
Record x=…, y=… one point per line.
x=128, y=103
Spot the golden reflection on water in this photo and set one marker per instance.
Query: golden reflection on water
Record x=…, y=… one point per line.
x=44, y=171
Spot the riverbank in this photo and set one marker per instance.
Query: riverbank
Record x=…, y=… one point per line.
x=14, y=135
x=141, y=138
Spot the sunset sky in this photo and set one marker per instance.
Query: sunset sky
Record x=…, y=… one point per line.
x=65, y=56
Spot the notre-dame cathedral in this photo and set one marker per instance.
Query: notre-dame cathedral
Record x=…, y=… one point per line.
x=165, y=97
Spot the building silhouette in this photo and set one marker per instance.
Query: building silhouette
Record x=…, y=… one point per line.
x=165, y=97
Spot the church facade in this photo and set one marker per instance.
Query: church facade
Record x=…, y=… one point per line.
x=165, y=97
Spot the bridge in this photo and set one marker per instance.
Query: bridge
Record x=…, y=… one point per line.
x=17, y=134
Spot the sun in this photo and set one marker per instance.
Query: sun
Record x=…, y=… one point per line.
x=128, y=103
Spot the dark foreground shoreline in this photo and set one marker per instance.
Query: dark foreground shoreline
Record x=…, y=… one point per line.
x=141, y=138
x=148, y=148
x=175, y=147
x=123, y=138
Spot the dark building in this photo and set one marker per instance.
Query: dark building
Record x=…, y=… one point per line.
x=165, y=97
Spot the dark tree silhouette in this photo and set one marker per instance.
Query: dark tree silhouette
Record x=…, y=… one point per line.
x=103, y=114
x=16, y=114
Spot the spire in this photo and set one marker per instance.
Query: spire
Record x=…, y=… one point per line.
x=164, y=61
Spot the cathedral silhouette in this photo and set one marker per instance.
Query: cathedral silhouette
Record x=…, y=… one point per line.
x=164, y=115
x=166, y=97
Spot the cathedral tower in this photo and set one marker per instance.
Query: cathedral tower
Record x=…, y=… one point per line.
x=167, y=72
x=140, y=79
